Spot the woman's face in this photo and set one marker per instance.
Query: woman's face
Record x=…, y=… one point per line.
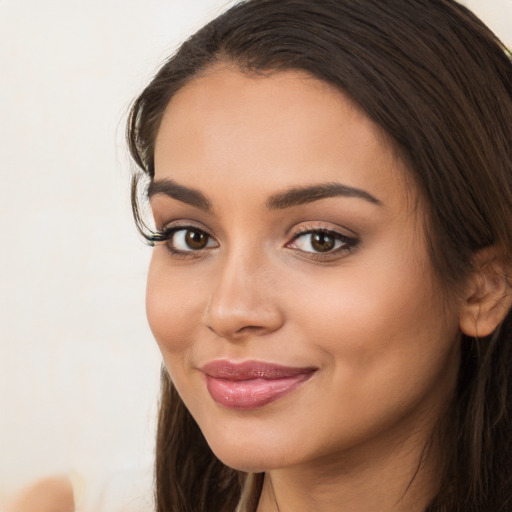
x=294, y=302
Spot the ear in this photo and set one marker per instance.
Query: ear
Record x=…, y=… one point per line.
x=488, y=295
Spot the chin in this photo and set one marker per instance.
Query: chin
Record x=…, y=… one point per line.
x=251, y=463
x=250, y=456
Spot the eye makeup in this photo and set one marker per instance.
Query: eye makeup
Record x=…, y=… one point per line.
x=314, y=242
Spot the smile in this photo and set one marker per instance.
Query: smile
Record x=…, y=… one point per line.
x=251, y=384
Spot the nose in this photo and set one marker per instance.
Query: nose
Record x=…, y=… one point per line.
x=243, y=302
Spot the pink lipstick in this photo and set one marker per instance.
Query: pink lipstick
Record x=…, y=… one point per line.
x=251, y=384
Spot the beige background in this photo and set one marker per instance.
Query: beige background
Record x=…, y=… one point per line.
x=78, y=367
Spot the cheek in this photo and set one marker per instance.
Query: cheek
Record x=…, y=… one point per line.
x=172, y=305
x=378, y=319
x=387, y=345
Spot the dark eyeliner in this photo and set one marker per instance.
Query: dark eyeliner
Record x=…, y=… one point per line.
x=165, y=235
x=349, y=243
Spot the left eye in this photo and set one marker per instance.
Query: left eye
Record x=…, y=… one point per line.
x=321, y=242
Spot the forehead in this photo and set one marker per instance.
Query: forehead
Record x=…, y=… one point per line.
x=277, y=130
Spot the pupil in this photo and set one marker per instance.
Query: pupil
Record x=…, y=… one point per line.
x=196, y=239
x=322, y=242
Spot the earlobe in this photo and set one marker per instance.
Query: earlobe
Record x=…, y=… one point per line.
x=488, y=298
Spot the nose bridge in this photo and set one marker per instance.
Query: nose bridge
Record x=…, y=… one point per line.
x=242, y=301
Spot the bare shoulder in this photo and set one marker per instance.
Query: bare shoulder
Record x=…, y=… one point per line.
x=50, y=494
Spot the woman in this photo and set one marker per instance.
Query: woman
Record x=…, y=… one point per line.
x=331, y=184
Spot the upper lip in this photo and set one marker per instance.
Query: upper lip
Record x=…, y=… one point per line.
x=247, y=370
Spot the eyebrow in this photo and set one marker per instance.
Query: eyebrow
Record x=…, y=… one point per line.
x=309, y=194
x=181, y=193
x=287, y=199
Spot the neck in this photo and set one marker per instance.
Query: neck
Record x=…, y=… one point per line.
x=396, y=475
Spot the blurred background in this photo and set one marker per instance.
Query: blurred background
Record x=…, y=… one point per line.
x=78, y=366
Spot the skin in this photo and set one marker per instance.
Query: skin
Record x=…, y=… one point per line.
x=51, y=494
x=370, y=319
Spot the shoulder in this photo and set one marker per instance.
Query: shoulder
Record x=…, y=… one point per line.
x=50, y=494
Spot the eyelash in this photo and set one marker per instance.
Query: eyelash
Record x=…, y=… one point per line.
x=348, y=244
x=166, y=236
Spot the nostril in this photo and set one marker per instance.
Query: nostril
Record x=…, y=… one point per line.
x=246, y=330
x=250, y=329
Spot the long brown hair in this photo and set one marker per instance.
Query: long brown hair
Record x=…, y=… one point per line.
x=439, y=83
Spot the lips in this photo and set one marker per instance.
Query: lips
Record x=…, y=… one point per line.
x=252, y=384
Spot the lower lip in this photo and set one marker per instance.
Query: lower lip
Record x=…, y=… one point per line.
x=253, y=393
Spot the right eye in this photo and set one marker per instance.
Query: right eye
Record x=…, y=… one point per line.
x=182, y=240
x=191, y=240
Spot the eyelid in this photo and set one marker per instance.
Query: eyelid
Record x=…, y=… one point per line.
x=349, y=242
x=167, y=228
x=312, y=227
x=166, y=233
x=183, y=224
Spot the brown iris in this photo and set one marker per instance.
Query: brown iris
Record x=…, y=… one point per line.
x=196, y=239
x=322, y=242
